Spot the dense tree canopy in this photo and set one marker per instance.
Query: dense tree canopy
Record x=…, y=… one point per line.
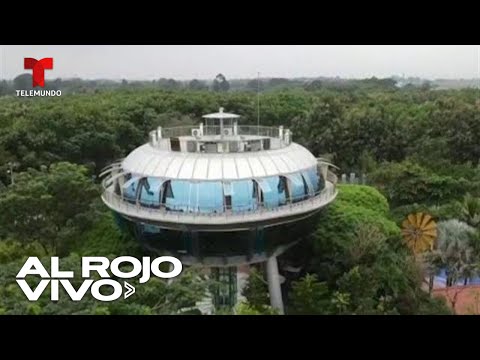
x=418, y=147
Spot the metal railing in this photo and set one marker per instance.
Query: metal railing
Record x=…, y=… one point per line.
x=246, y=138
x=250, y=130
x=141, y=208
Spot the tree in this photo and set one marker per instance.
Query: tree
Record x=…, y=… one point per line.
x=197, y=85
x=23, y=82
x=106, y=236
x=309, y=297
x=49, y=207
x=317, y=128
x=255, y=85
x=220, y=84
x=256, y=291
x=245, y=308
x=358, y=253
x=355, y=205
x=169, y=84
x=278, y=82
x=455, y=252
x=408, y=182
x=314, y=85
x=471, y=210
x=5, y=88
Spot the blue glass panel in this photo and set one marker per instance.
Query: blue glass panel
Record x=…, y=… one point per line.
x=150, y=192
x=180, y=196
x=273, y=193
x=313, y=176
x=130, y=189
x=242, y=196
x=311, y=180
x=210, y=197
x=192, y=202
x=297, y=187
x=306, y=178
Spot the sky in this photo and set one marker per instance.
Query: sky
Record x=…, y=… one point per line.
x=183, y=62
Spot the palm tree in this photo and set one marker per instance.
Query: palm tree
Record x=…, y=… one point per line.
x=455, y=251
x=471, y=210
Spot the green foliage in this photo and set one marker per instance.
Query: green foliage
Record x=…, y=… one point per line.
x=406, y=182
x=432, y=305
x=105, y=238
x=256, y=290
x=470, y=207
x=244, y=308
x=447, y=211
x=457, y=251
x=360, y=125
x=309, y=297
x=363, y=196
x=49, y=207
x=360, y=260
x=220, y=83
x=355, y=205
x=197, y=85
x=11, y=250
x=23, y=81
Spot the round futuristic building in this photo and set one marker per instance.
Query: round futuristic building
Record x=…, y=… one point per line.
x=219, y=195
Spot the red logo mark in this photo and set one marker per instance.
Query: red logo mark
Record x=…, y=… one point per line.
x=38, y=67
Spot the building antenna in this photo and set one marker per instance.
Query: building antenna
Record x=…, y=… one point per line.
x=258, y=100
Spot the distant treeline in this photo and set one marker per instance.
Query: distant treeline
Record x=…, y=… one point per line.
x=221, y=84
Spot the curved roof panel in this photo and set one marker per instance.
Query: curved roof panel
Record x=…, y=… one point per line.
x=149, y=161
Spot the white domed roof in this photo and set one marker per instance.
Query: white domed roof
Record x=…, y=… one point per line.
x=149, y=161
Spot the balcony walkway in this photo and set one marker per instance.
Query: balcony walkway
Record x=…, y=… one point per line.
x=233, y=221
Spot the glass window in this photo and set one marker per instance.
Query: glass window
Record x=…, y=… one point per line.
x=150, y=192
x=130, y=189
x=297, y=187
x=310, y=188
x=243, y=196
x=272, y=197
x=313, y=176
x=179, y=201
x=208, y=197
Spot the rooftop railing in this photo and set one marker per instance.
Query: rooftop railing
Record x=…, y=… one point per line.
x=209, y=130
x=230, y=133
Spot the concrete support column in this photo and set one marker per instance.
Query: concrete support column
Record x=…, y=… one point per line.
x=195, y=244
x=170, y=269
x=274, y=284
